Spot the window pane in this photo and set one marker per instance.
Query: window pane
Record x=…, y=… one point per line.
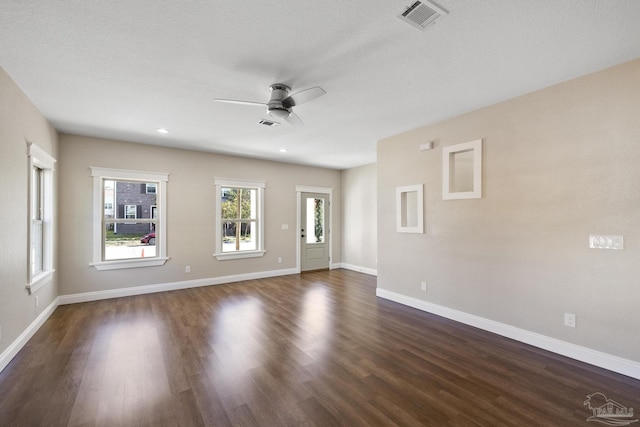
x=129, y=200
x=36, y=247
x=37, y=193
x=129, y=241
x=238, y=203
x=238, y=236
x=315, y=220
x=37, y=228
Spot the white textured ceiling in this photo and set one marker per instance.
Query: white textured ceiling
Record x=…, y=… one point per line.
x=121, y=69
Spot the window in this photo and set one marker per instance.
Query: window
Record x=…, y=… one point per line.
x=151, y=188
x=133, y=232
x=130, y=211
x=37, y=207
x=40, y=232
x=239, y=219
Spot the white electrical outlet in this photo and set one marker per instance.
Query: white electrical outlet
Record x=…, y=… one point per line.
x=187, y=269
x=36, y=301
x=570, y=320
x=423, y=286
x=279, y=260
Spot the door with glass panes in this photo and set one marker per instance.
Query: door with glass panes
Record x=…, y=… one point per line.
x=314, y=231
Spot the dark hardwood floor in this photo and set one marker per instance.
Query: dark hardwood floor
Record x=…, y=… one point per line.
x=312, y=349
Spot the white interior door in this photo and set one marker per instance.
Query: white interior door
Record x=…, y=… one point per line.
x=314, y=231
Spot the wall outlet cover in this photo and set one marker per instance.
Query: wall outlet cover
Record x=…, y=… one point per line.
x=570, y=320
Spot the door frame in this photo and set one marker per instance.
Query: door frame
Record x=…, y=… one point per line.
x=308, y=189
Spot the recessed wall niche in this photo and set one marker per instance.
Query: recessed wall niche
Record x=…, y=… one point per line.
x=462, y=171
x=409, y=209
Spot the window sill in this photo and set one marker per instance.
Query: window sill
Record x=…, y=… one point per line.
x=239, y=255
x=129, y=263
x=40, y=281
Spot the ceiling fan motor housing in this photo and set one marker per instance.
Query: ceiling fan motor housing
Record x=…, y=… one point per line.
x=275, y=107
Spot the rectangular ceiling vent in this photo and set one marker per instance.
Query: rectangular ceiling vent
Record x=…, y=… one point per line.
x=422, y=15
x=268, y=123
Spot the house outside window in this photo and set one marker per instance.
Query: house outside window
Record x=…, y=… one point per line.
x=239, y=219
x=121, y=235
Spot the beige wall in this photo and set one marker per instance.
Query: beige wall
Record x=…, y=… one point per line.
x=20, y=122
x=190, y=212
x=559, y=164
x=359, y=226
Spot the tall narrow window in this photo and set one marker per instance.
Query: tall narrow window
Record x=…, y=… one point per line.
x=133, y=232
x=40, y=258
x=37, y=223
x=239, y=219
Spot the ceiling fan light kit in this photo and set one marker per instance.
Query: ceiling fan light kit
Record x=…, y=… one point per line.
x=276, y=106
x=281, y=103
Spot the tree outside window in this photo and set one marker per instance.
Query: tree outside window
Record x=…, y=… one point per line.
x=239, y=219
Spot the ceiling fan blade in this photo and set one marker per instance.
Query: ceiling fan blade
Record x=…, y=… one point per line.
x=234, y=101
x=303, y=96
x=294, y=120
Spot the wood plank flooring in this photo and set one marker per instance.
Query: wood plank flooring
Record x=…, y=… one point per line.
x=316, y=349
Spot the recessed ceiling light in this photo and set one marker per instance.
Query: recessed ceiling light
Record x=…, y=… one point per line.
x=283, y=150
x=162, y=130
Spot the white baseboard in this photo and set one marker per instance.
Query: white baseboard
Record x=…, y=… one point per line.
x=357, y=268
x=583, y=354
x=26, y=335
x=171, y=286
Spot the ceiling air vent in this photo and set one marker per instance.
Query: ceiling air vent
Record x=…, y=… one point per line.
x=422, y=14
x=268, y=123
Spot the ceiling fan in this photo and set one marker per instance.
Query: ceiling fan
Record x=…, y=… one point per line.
x=281, y=103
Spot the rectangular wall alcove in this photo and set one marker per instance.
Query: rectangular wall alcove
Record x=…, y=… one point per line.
x=409, y=209
x=462, y=171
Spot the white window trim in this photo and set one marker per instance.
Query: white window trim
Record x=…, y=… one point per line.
x=98, y=175
x=38, y=157
x=234, y=183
